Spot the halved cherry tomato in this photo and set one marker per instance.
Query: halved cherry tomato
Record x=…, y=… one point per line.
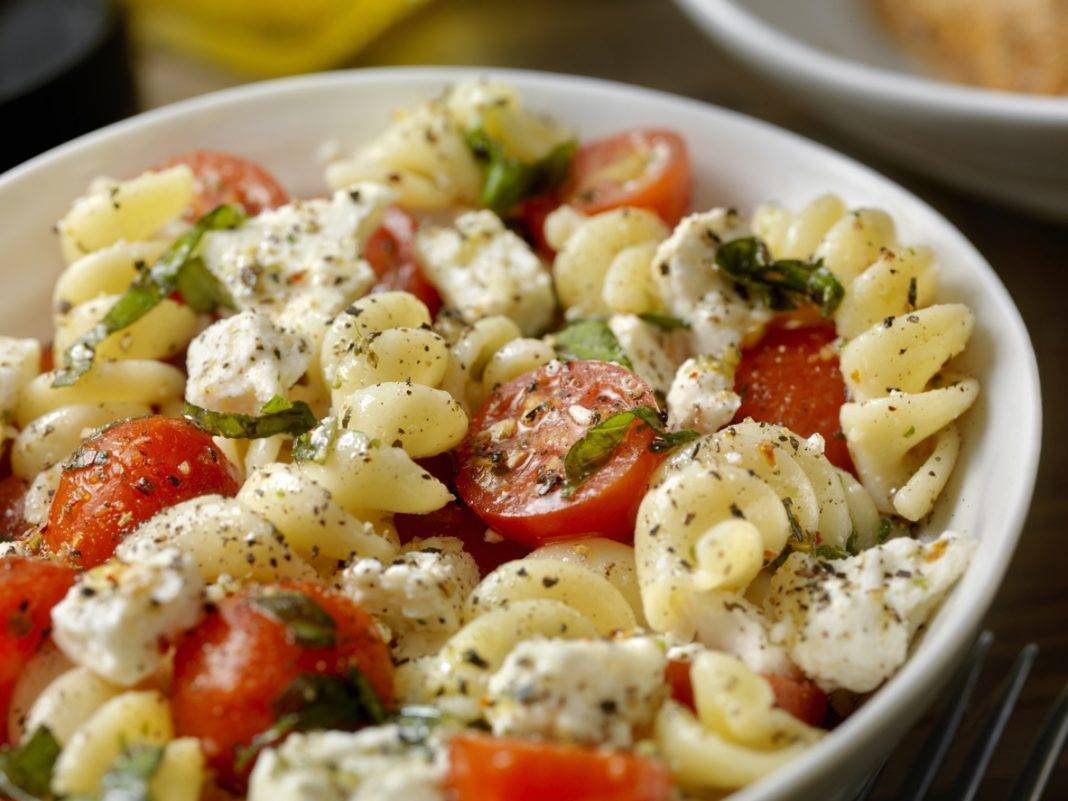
x=644, y=167
x=12, y=498
x=456, y=520
x=226, y=178
x=512, y=461
x=29, y=588
x=484, y=768
x=791, y=378
x=533, y=212
x=132, y=470
x=800, y=697
x=231, y=669
x=391, y=254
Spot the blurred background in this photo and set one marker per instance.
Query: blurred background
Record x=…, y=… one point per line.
x=69, y=66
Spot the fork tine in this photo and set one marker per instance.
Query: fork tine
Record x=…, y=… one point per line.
x=1043, y=758
x=978, y=760
x=944, y=729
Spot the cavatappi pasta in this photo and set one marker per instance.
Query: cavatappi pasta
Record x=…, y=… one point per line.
x=496, y=453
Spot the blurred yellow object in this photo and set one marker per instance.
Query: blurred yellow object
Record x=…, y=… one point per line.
x=266, y=37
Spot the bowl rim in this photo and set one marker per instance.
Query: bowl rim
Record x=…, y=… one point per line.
x=910, y=685
x=750, y=35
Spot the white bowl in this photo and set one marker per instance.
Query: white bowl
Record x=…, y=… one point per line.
x=737, y=161
x=831, y=54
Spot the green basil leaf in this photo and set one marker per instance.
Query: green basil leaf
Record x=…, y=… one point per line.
x=148, y=290
x=665, y=322
x=588, y=454
x=308, y=622
x=313, y=446
x=295, y=418
x=782, y=283
x=130, y=774
x=590, y=339
x=508, y=180
x=200, y=289
x=886, y=528
x=315, y=701
x=26, y=770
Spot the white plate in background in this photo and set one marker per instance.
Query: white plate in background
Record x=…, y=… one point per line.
x=737, y=161
x=1009, y=146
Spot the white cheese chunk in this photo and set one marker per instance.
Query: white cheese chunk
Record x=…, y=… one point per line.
x=239, y=363
x=482, y=269
x=20, y=362
x=374, y=764
x=119, y=619
x=304, y=247
x=655, y=353
x=848, y=623
x=728, y=622
x=702, y=395
x=419, y=595
x=585, y=691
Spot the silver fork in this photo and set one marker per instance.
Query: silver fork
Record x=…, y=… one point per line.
x=1036, y=773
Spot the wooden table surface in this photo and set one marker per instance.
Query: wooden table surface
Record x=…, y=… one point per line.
x=649, y=42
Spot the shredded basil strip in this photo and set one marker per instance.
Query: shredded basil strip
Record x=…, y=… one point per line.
x=26, y=770
x=308, y=622
x=509, y=180
x=590, y=339
x=151, y=287
x=782, y=283
x=665, y=322
x=314, y=701
x=131, y=773
x=280, y=417
x=587, y=455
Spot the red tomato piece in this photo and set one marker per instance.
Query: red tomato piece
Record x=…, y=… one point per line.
x=533, y=212
x=12, y=498
x=29, y=588
x=512, y=462
x=484, y=768
x=230, y=670
x=139, y=467
x=800, y=697
x=226, y=178
x=644, y=167
x=791, y=378
x=456, y=520
x=391, y=253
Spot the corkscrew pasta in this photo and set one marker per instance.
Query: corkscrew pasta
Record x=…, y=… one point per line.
x=496, y=455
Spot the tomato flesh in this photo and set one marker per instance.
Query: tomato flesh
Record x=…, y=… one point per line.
x=484, y=768
x=791, y=378
x=230, y=670
x=29, y=588
x=512, y=461
x=226, y=178
x=141, y=466
x=12, y=502
x=644, y=167
x=390, y=251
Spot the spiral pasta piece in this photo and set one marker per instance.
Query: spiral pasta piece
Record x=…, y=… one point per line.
x=900, y=422
x=737, y=735
x=604, y=262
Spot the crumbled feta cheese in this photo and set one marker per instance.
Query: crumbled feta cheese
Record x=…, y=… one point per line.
x=732, y=624
x=20, y=361
x=585, y=691
x=303, y=247
x=848, y=623
x=655, y=353
x=702, y=395
x=482, y=269
x=374, y=764
x=419, y=595
x=239, y=363
x=119, y=619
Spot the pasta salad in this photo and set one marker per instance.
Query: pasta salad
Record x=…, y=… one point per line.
x=495, y=473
